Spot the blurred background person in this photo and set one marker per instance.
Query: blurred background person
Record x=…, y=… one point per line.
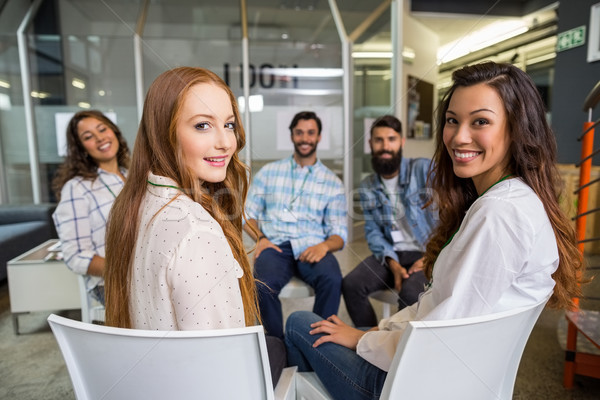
x=86, y=185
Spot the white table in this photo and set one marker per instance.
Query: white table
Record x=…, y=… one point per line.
x=38, y=285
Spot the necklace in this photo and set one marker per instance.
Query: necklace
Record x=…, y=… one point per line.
x=167, y=186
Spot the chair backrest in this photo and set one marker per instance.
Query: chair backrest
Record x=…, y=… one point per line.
x=469, y=358
x=115, y=363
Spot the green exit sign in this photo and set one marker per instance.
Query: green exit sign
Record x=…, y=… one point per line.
x=572, y=38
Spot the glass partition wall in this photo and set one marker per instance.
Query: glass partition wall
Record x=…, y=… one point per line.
x=81, y=54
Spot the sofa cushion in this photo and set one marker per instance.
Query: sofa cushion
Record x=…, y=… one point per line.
x=16, y=239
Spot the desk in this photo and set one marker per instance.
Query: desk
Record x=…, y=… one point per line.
x=38, y=285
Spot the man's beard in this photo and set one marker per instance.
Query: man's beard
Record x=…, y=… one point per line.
x=386, y=166
x=310, y=152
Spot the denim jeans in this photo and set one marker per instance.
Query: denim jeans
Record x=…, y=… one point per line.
x=370, y=276
x=345, y=374
x=275, y=269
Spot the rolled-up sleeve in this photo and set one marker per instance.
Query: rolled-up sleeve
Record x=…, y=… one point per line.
x=255, y=201
x=379, y=347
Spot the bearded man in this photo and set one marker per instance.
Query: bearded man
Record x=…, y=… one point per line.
x=397, y=225
x=298, y=207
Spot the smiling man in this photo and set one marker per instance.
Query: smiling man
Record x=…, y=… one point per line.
x=396, y=224
x=298, y=207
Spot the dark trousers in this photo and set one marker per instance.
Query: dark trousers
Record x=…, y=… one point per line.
x=275, y=270
x=277, y=357
x=370, y=276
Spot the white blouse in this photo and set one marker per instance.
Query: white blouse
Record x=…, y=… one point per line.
x=501, y=258
x=184, y=275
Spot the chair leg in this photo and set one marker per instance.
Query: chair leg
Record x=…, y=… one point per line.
x=386, y=310
x=570, y=353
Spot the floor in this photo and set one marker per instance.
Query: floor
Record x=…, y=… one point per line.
x=31, y=366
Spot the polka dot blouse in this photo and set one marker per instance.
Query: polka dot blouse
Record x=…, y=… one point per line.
x=184, y=275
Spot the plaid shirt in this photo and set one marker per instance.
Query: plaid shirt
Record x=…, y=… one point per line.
x=302, y=205
x=80, y=220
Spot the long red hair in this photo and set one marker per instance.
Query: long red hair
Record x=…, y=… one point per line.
x=157, y=150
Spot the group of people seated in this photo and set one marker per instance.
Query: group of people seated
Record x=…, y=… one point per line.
x=474, y=231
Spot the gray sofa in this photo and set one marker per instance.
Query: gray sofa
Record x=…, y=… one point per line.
x=23, y=227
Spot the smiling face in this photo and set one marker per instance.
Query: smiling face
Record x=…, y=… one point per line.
x=476, y=135
x=99, y=140
x=305, y=136
x=206, y=131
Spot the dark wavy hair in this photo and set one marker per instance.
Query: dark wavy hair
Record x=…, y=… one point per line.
x=533, y=159
x=78, y=162
x=387, y=121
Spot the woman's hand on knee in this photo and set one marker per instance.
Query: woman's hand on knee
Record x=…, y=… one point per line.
x=336, y=331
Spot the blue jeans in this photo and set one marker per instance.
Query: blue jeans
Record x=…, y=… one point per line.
x=345, y=374
x=275, y=269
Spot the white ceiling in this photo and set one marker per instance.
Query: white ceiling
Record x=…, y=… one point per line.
x=302, y=21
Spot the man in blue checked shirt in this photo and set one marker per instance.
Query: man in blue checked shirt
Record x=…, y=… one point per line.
x=298, y=207
x=397, y=225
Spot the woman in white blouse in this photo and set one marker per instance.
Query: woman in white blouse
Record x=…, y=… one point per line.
x=86, y=185
x=175, y=257
x=502, y=241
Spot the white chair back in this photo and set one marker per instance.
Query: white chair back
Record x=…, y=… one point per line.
x=114, y=363
x=470, y=358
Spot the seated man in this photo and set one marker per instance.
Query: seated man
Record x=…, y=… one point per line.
x=298, y=207
x=396, y=225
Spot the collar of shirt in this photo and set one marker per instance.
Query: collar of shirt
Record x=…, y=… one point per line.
x=312, y=168
x=164, y=189
x=105, y=172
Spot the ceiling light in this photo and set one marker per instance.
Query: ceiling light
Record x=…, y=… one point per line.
x=40, y=95
x=539, y=59
x=84, y=104
x=495, y=32
x=78, y=83
x=372, y=54
x=408, y=54
x=308, y=72
x=4, y=84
